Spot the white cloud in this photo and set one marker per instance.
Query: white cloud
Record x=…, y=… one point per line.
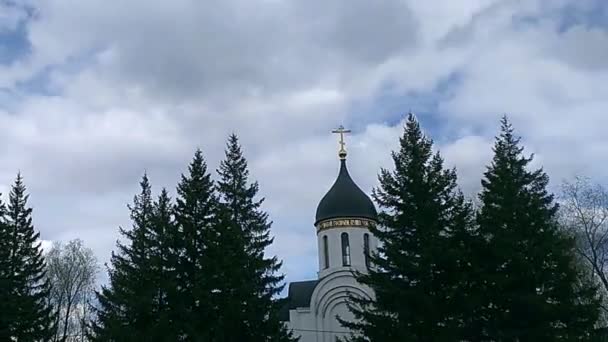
x=140, y=86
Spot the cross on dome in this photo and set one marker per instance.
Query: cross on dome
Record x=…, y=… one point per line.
x=341, y=130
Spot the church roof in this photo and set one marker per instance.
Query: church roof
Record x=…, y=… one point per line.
x=298, y=296
x=345, y=199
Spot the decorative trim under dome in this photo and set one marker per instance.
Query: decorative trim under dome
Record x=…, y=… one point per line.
x=345, y=200
x=344, y=222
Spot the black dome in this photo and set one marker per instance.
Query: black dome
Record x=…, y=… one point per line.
x=345, y=199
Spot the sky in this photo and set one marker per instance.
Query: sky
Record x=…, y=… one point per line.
x=92, y=95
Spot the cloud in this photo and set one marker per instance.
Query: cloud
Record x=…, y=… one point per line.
x=585, y=48
x=105, y=93
x=11, y=15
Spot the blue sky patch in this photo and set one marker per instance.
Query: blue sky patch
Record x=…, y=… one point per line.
x=593, y=16
x=14, y=44
x=390, y=107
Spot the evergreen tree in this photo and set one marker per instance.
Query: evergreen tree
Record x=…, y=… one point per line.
x=530, y=275
x=128, y=307
x=195, y=274
x=249, y=280
x=5, y=289
x=24, y=290
x=164, y=256
x=421, y=274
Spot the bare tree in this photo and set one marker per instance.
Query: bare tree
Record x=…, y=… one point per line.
x=584, y=213
x=72, y=270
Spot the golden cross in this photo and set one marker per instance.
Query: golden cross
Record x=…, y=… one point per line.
x=341, y=131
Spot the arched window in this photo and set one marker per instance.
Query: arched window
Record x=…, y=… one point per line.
x=325, y=252
x=366, y=249
x=345, y=250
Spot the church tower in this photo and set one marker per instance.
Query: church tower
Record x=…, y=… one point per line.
x=343, y=218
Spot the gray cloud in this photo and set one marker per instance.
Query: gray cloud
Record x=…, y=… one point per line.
x=139, y=87
x=583, y=47
x=11, y=15
x=195, y=49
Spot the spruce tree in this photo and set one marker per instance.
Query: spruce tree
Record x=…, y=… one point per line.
x=5, y=291
x=164, y=256
x=127, y=311
x=421, y=272
x=24, y=290
x=249, y=279
x=529, y=269
x=195, y=274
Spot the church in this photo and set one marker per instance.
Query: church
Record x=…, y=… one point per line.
x=344, y=242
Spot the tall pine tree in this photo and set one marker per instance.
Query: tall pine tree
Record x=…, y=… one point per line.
x=421, y=273
x=530, y=276
x=195, y=274
x=249, y=279
x=164, y=254
x=25, y=314
x=128, y=307
x=5, y=287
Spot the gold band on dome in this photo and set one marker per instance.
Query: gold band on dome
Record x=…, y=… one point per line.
x=344, y=222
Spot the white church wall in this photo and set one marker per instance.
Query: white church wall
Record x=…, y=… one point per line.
x=329, y=300
x=319, y=323
x=302, y=323
x=332, y=325
x=334, y=238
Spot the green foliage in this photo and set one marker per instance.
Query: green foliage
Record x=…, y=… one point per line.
x=196, y=270
x=249, y=279
x=5, y=280
x=133, y=306
x=422, y=268
x=529, y=274
x=24, y=290
x=195, y=266
x=164, y=256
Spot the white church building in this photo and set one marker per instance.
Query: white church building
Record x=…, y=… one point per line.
x=344, y=242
